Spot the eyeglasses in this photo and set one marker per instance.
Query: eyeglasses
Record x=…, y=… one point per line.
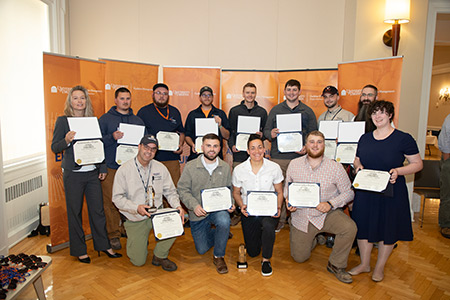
x=206, y=96
x=148, y=148
x=161, y=93
x=367, y=95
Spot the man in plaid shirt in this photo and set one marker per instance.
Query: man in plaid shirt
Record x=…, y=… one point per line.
x=327, y=216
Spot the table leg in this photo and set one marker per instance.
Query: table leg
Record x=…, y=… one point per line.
x=39, y=288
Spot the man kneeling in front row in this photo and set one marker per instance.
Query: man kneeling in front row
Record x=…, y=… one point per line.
x=335, y=192
x=132, y=194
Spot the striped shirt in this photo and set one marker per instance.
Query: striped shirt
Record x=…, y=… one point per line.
x=335, y=187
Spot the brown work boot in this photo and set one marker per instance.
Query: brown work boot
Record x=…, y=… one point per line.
x=340, y=273
x=166, y=264
x=115, y=243
x=221, y=265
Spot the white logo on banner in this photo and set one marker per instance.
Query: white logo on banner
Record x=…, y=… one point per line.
x=343, y=93
x=228, y=96
x=53, y=89
x=170, y=93
x=107, y=86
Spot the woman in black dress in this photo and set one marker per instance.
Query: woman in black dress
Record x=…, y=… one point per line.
x=384, y=218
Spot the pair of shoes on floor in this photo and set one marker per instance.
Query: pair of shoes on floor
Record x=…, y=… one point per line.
x=221, y=265
x=266, y=268
x=445, y=231
x=85, y=260
x=166, y=263
x=340, y=273
x=115, y=244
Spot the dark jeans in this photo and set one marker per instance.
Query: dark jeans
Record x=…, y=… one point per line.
x=444, y=206
x=259, y=232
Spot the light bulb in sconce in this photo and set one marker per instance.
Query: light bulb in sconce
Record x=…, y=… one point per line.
x=444, y=96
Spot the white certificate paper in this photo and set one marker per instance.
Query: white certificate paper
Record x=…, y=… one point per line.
x=289, y=122
x=132, y=134
x=241, y=141
x=329, y=129
x=350, y=132
x=167, y=223
x=262, y=203
x=330, y=149
x=289, y=142
x=304, y=194
x=124, y=153
x=88, y=152
x=246, y=124
x=346, y=153
x=168, y=141
x=216, y=199
x=371, y=180
x=203, y=126
x=198, y=144
x=85, y=127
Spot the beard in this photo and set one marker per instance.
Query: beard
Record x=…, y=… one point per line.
x=362, y=111
x=315, y=155
x=211, y=157
x=161, y=105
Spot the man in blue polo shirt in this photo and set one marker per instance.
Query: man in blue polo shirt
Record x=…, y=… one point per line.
x=161, y=116
x=206, y=110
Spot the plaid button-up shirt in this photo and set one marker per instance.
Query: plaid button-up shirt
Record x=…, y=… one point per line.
x=335, y=187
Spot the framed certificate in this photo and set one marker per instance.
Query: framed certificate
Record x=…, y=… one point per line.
x=289, y=122
x=330, y=149
x=167, y=223
x=132, y=134
x=346, y=153
x=125, y=153
x=304, y=194
x=241, y=141
x=88, y=152
x=203, y=126
x=85, y=127
x=216, y=199
x=329, y=129
x=248, y=124
x=371, y=180
x=350, y=132
x=198, y=144
x=262, y=203
x=168, y=141
x=290, y=142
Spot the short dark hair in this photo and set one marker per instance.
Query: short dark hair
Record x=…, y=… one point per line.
x=316, y=133
x=293, y=82
x=372, y=87
x=210, y=136
x=121, y=90
x=249, y=84
x=381, y=105
x=253, y=137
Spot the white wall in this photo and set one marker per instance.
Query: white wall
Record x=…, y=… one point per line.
x=252, y=34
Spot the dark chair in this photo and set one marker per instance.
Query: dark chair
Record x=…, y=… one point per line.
x=426, y=183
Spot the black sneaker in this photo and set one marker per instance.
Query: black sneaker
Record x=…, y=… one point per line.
x=266, y=268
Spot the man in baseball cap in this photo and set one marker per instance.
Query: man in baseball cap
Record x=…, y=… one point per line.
x=334, y=111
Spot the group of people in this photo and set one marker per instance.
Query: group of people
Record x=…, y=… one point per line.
x=382, y=218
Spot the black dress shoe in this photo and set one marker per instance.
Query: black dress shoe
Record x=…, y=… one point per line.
x=115, y=255
x=86, y=260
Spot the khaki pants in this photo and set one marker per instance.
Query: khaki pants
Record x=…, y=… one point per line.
x=174, y=169
x=113, y=222
x=336, y=222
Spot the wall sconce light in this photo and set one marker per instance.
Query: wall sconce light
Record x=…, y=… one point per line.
x=444, y=96
x=396, y=13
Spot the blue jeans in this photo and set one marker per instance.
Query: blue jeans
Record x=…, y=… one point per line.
x=206, y=237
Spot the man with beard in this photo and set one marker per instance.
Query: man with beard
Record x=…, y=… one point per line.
x=369, y=93
x=161, y=116
x=206, y=110
x=206, y=172
x=327, y=216
x=109, y=122
x=334, y=111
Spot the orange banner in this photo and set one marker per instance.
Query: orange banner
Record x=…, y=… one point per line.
x=266, y=85
x=313, y=82
x=139, y=78
x=385, y=74
x=61, y=73
x=185, y=84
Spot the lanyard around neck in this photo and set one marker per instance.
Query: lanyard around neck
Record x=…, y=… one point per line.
x=165, y=117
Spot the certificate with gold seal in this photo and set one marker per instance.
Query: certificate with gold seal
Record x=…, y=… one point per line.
x=346, y=153
x=168, y=141
x=330, y=149
x=262, y=203
x=302, y=194
x=125, y=152
x=371, y=180
x=216, y=199
x=241, y=141
x=88, y=152
x=167, y=223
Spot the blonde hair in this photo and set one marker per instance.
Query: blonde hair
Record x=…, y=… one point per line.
x=68, y=110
